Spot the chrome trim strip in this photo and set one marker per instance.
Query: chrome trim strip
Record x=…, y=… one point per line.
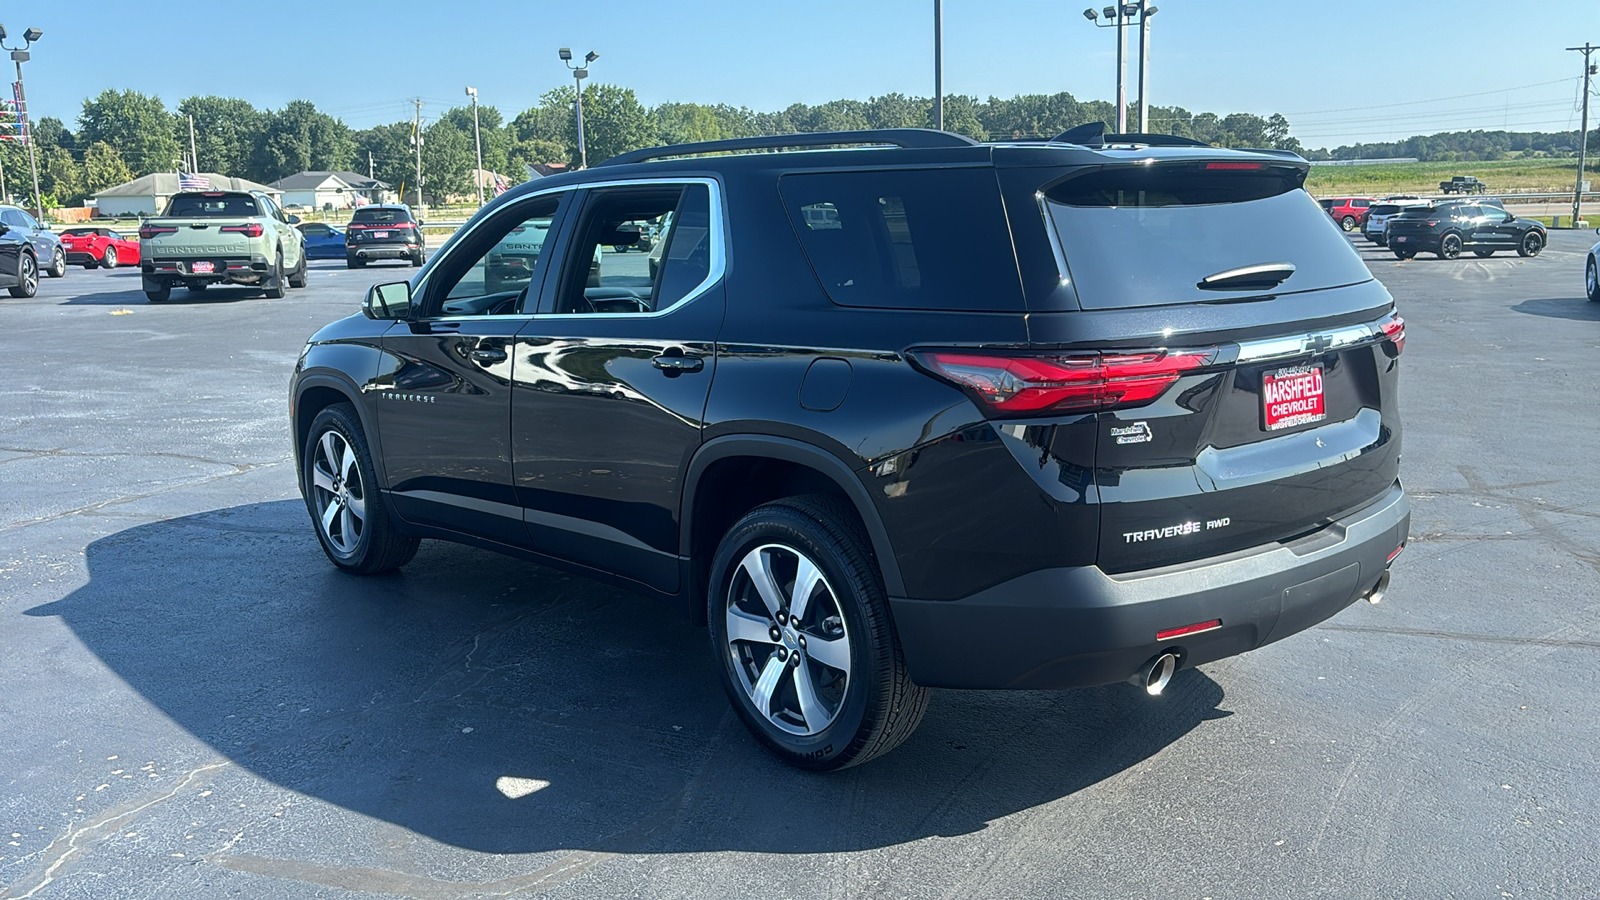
x=464, y=502
x=1055, y=238
x=719, y=246
x=1313, y=342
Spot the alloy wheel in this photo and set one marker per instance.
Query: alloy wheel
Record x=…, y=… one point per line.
x=29, y=270
x=1531, y=244
x=58, y=264
x=787, y=639
x=341, y=498
x=111, y=258
x=1591, y=280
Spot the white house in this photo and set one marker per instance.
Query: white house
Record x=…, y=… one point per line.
x=147, y=195
x=340, y=190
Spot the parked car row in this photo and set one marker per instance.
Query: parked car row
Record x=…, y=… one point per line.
x=1454, y=227
x=27, y=247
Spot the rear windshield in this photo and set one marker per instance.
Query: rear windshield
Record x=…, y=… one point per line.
x=199, y=206
x=1148, y=235
x=80, y=232
x=1416, y=212
x=1385, y=209
x=924, y=239
x=379, y=217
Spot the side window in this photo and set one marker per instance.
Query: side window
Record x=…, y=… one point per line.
x=616, y=266
x=26, y=220
x=1363, y=204
x=1465, y=212
x=10, y=217
x=500, y=274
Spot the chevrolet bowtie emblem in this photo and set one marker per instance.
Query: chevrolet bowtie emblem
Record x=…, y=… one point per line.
x=1317, y=343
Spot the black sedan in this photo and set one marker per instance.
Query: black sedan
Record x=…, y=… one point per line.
x=1450, y=229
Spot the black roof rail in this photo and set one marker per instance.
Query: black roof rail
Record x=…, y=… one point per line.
x=906, y=138
x=1093, y=134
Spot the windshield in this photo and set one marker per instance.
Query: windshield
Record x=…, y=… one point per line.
x=1148, y=235
x=208, y=205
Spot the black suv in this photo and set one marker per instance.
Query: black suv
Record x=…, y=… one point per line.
x=926, y=413
x=1447, y=229
x=383, y=231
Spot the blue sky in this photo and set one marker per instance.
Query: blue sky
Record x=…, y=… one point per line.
x=1323, y=63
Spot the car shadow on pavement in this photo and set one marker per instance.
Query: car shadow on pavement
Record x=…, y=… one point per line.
x=500, y=706
x=134, y=296
x=1579, y=308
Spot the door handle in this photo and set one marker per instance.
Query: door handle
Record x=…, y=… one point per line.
x=488, y=356
x=677, y=362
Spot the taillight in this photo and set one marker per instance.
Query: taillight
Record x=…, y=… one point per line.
x=1236, y=166
x=146, y=232
x=251, y=230
x=1394, y=328
x=1064, y=383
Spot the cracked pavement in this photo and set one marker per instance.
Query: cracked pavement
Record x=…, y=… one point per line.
x=196, y=704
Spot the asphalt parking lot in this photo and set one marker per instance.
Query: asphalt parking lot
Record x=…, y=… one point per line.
x=195, y=704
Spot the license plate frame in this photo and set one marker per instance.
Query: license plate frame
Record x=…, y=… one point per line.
x=203, y=268
x=1400, y=239
x=1293, y=396
x=380, y=235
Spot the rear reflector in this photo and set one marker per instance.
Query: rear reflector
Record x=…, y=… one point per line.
x=1065, y=383
x=1196, y=628
x=1394, y=554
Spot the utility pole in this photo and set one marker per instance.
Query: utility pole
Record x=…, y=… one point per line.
x=477, y=141
x=370, y=170
x=1583, y=135
x=938, y=63
x=194, y=156
x=416, y=138
x=1122, y=72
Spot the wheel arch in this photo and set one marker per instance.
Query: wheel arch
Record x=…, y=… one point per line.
x=732, y=474
x=316, y=392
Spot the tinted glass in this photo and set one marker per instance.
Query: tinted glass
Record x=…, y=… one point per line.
x=199, y=206
x=80, y=232
x=368, y=216
x=930, y=239
x=685, y=261
x=495, y=282
x=1415, y=212
x=1147, y=235
x=1386, y=209
x=609, y=270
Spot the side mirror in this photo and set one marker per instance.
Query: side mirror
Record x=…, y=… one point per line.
x=388, y=301
x=46, y=226
x=1509, y=218
x=5, y=228
x=293, y=220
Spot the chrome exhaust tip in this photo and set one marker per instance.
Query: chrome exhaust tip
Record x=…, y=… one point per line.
x=1154, y=675
x=1375, y=596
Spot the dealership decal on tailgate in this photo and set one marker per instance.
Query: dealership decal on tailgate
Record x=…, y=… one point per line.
x=1292, y=396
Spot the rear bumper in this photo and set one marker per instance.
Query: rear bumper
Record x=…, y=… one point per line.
x=1077, y=627
x=80, y=257
x=383, y=251
x=233, y=269
x=1409, y=241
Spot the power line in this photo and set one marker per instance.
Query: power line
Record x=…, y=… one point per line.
x=1519, y=87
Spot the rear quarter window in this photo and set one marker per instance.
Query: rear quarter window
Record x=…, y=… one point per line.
x=933, y=239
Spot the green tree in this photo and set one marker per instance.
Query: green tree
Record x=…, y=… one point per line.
x=103, y=167
x=60, y=176
x=391, y=152
x=613, y=122
x=683, y=123
x=492, y=131
x=447, y=162
x=227, y=131
x=138, y=125
x=299, y=138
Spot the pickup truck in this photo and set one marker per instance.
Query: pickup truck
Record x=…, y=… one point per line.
x=226, y=237
x=1462, y=184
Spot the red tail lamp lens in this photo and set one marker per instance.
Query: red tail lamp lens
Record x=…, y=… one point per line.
x=251, y=230
x=1237, y=166
x=1068, y=382
x=1394, y=328
x=1196, y=628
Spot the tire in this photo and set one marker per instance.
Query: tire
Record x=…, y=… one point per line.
x=1348, y=223
x=619, y=248
x=159, y=296
x=58, y=264
x=27, y=277
x=1450, y=246
x=1405, y=254
x=418, y=260
x=91, y=265
x=1591, y=281
x=198, y=287
x=274, y=289
x=337, y=478
x=1531, y=244
x=297, y=278
x=862, y=700
x=108, y=260
x=354, y=262
x=1483, y=254
x=1381, y=241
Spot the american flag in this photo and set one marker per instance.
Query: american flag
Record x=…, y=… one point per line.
x=189, y=181
x=500, y=185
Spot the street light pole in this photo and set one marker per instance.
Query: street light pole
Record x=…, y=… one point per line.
x=20, y=55
x=1122, y=73
x=938, y=63
x=1583, y=135
x=1145, y=13
x=579, y=73
x=477, y=141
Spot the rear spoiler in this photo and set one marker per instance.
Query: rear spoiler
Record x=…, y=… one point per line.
x=1093, y=134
